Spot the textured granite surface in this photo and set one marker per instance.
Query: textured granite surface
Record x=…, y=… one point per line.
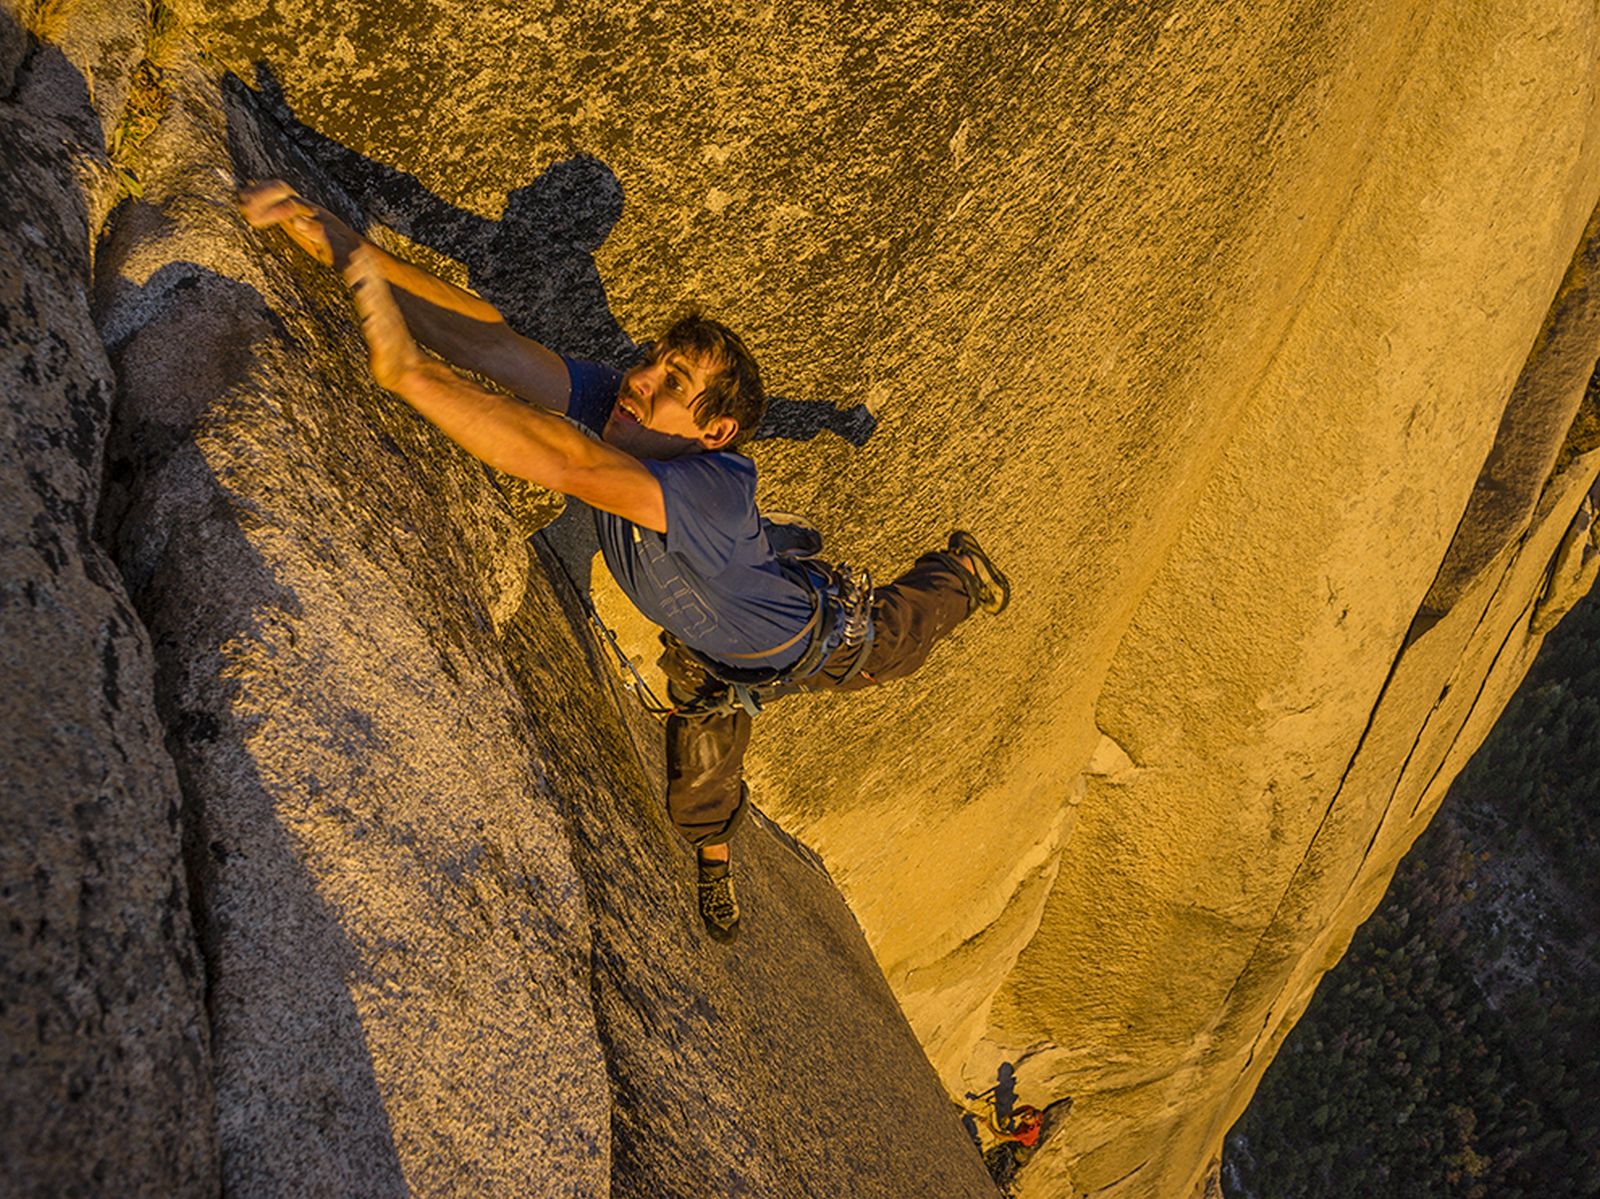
x=1249, y=340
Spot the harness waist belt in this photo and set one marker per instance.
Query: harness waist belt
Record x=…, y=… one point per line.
x=816, y=615
x=841, y=618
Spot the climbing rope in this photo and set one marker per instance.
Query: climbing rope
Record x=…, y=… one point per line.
x=638, y=684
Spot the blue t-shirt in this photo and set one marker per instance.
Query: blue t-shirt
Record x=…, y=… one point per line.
x=712, y=579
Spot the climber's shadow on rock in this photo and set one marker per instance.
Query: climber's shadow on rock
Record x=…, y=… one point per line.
x=535, y=263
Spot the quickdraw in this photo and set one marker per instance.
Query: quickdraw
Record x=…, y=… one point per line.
x=638, y=684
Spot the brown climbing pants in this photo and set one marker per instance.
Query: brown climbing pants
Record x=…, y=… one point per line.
x=705, y=751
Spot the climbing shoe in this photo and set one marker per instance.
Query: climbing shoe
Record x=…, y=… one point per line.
x=990, y=590
x=719, y=909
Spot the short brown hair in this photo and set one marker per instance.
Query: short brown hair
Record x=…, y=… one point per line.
x=733, y=382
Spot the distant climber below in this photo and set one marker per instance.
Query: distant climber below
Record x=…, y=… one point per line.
x=748, y=612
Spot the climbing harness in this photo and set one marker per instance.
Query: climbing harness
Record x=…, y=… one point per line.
x=840, y=622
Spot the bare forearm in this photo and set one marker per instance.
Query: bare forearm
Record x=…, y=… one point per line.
x=509, y=435
x=464, y=329
x=450, y=320
x=428, y=300
x=531, y=443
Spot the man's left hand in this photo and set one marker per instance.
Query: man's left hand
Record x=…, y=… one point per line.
x=391, y=352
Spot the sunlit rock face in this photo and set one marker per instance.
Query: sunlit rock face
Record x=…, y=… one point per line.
x=1208, y=325
x=1206, y=322
x=1252, y=344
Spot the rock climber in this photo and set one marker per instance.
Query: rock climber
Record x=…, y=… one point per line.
x=653, y=450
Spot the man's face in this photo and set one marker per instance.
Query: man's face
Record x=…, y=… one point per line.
x=654, y=416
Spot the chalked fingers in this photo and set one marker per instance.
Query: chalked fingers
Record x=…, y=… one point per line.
x=390, y=349
x=274, y=204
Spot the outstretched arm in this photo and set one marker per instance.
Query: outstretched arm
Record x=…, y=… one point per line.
x=510, y=436
x=449, y=320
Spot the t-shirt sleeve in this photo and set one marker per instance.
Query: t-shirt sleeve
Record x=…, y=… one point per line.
x=593, y=393
x=710, y=502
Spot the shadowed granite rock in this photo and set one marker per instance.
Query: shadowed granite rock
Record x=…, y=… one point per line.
x=107, y=1084
x=395, y=935
x=1534, y=430
x=777, y=1066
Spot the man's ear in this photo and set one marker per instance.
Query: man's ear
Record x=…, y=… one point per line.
x=718, y=432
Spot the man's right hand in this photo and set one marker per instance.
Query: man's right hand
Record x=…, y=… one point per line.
x=313, y=228
x=456, y=324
